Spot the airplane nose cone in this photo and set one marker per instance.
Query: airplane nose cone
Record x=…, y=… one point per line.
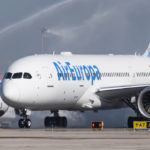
x=10, y=94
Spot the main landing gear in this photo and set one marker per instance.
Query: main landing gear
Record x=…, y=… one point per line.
x=24, y=122
x=55, y=121
x=139, y=117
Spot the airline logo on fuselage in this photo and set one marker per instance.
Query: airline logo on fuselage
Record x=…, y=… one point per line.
x=68, y=72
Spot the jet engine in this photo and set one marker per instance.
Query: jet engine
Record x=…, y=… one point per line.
x=143, y=102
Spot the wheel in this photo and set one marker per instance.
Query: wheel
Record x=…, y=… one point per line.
x=47, y=122
x=58, y=121
x=55, y=122
x=130, y=122
x=27, y=123
x=21, y=123
x=132, y=119
x=64, y=120
x=52, y=121
x=61, y=122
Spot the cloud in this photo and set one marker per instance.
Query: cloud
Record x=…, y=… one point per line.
x=79, y=26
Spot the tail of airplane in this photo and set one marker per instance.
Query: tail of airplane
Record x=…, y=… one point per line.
x=147, y=52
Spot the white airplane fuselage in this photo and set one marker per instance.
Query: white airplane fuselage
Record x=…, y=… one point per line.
x=73, y=82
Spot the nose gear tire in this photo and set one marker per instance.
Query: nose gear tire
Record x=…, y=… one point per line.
x=24, y=123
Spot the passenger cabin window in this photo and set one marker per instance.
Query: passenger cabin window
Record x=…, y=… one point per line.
x=8, y=75
x=27, y=75
x=17, y=75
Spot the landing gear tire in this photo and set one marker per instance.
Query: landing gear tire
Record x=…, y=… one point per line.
x=47, y=122
x=21, y=123
x=64, y=122
x=132, y=119
x=56, y=122
x=27, y=123
x=134, y=107
x=24, y=123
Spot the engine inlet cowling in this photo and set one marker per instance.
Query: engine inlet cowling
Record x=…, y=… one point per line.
x=144, y=102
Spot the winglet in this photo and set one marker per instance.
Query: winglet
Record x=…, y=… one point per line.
x=147, y=52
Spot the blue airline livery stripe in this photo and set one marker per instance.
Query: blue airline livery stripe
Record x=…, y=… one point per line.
x=74, y=72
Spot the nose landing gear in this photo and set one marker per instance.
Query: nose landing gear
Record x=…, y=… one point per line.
x=55, y=121
x=24, y=122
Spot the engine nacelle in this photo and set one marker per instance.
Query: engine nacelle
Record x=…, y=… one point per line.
x=143, y=102
x=3, y=107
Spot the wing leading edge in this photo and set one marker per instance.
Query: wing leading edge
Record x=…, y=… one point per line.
x=119, y=92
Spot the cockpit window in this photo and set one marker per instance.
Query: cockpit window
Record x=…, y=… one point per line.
x=17, y=75
x=27, y=75
x=8, y=75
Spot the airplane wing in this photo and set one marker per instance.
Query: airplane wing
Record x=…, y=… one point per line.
x=120, y=91
x=110, y=97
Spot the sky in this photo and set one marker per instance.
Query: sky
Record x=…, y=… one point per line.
x=79, y=26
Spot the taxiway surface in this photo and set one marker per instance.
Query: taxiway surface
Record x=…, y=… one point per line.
x=72, y=139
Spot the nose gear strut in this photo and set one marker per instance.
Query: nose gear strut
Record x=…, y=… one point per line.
x=24, y=122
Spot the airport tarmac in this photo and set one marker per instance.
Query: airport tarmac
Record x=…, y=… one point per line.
x=72, y=139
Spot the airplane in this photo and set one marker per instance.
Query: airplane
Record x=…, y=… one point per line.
x=3, y=106
x=77, y=83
